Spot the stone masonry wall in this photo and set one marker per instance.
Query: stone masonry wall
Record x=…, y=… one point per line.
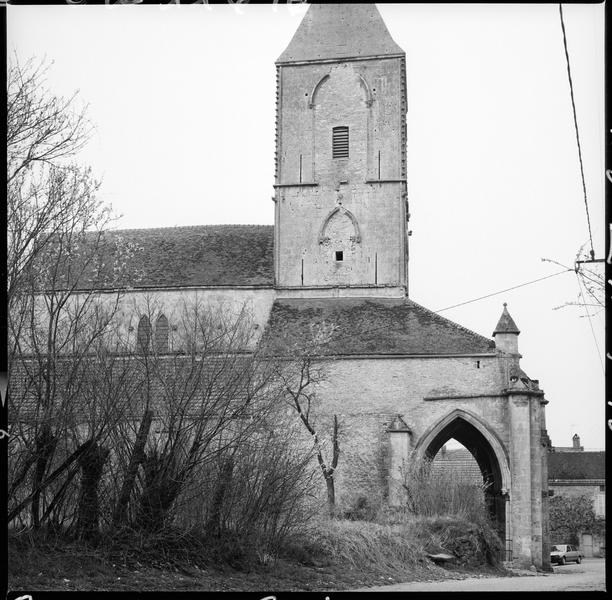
x=368, y=393
x=257, y=302
x=365, y=96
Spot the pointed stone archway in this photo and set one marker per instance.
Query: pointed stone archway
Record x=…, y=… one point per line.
x=488, y=451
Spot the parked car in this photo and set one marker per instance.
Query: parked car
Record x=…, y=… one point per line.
x=562, y=553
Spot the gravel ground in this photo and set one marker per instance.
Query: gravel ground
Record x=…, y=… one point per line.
x=588, y=576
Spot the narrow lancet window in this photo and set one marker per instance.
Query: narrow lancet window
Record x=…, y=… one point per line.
x=161, y=334
x=143, y=340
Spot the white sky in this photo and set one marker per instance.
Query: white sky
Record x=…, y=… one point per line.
x=183, y=102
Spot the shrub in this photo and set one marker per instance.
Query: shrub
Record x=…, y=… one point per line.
x=472, y=544
x=433, y=494
x=361, y=508
x=255, y=494
x=363, y=545
x=398, y=549
x=570, y=516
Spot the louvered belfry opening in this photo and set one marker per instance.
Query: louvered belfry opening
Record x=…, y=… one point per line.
x=340, y=142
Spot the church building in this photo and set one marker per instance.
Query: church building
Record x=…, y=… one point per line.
x=401, y=379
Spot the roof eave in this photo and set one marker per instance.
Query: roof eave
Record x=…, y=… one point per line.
x=285, y=62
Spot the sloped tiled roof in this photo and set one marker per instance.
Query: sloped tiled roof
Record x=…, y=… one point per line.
x=117, y=385
x=340, y=31
x=576, y=465
x=193, y=256
x=460, y=463
x=368, y=326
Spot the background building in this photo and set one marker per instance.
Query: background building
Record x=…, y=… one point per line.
x=572, y=472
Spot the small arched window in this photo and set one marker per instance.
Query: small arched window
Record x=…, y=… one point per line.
x=161, y=334
x=143, y=339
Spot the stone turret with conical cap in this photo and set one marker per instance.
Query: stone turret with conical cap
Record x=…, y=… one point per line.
x=334, y=31
x=506, y=333
x=340, y=188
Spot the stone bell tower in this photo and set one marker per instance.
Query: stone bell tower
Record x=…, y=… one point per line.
x=340, y=191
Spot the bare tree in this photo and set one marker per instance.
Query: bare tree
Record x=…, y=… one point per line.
x=57, y=435
x=591, y=283
x=203, y=393
x=259, y=488
x=59, y=326
x=43, y=133
x=300, y=381
x=93, y=411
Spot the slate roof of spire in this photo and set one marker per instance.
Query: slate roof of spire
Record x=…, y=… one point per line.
x=340, y=31
x=506, y=324
x=370, y=326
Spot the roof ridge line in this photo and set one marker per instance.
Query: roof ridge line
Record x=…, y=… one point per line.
x=188, y=227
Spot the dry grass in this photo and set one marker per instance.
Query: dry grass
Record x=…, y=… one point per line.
x=337, y=561
x=362, y=544
x=401, y=548
x=330, y=554
x=431, y=493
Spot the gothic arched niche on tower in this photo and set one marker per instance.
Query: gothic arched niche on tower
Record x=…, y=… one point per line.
x=368, y=98
x=341, y=225
x=339, y=238
x=340, y=98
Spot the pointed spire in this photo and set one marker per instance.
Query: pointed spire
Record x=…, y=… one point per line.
x=339, y=31
x=506, y=324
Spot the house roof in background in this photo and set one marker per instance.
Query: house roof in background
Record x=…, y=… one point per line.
x=576, y=465
x=370, y=326
x=460, y=462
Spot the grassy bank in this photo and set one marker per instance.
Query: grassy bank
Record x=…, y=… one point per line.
x=329, y=555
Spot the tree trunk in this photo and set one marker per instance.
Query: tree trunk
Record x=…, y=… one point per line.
x=138, y=455
x=92, y=464
x=48, y=481
x=45, y=446
x=213, y=525
x=18, y=479
x=158, y=494
x=329, y=475
x=331, y=494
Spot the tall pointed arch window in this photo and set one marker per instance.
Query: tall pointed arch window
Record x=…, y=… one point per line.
x=161, y=334
x=143, y=338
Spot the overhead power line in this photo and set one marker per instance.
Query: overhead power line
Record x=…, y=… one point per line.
x=502, y=291
x=571, y=85
x=385, y=327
